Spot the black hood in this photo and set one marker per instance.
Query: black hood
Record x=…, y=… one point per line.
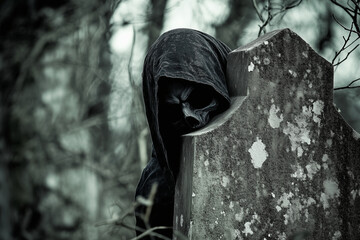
x=181, y=54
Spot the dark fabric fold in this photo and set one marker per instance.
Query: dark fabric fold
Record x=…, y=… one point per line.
x=178, y=54
x=183, y=54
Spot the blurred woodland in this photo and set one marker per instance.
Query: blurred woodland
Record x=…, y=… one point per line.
x=73, y=136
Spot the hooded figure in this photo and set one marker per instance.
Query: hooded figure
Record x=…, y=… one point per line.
x=184, y=86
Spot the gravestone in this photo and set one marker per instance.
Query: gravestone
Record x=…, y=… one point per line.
x=281, y=163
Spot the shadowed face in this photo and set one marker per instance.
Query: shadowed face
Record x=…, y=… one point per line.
x=185, y=106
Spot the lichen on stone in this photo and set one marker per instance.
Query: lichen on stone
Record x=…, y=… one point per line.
x=258, y=153
x=273, y=119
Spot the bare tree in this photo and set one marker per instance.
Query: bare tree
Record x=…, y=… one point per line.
x=267, y=10
x=350, y=44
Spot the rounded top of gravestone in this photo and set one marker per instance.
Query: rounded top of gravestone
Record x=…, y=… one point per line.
x=286, y=61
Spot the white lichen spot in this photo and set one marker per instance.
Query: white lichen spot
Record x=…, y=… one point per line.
x=325, y=166
x=324, y=200
x=356, y=135
x=257, y=59
x=306, y=215
x=299, y=173
x=278, y=208
x=193, y=194
x=300, y=151
x=225, y=181
x=336, y=236
x=331, y=190
x=256, y=217
x=206, y=163
x=216, y=222
x=279, y=55
x=294, y=212
x=239, y=216
x=190, y=229
x=329, y=142
x=181, y=220
x=266, y=61
x=312, y=168
x=308, y=70
x=317, y=109
x=247, y=229
x=305, y=54
x=306, y=111
x=237, y=234
x=226, y=139
x=310, y=201
x=258, y=153
x=266, y=42
x=273, y=119
x=231, y=205
x=282, y=236
x=251, y=67
x=325, y=158
x=292, y=73
x=200, y=172
x=299, y=134
x=286, y=219
x=310, y=85
x=284, y=200
x=355, y=193
x=273, y=195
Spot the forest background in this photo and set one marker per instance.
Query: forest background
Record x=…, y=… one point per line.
x=73, y=135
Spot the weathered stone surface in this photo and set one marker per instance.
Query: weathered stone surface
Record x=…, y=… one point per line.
x=281, y=161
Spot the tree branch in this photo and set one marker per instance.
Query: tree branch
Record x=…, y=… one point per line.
x=349, y=85
x=346, y=9
x=272, y=11
x=150, y=232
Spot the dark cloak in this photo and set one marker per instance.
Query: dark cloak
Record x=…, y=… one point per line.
x=177, y=54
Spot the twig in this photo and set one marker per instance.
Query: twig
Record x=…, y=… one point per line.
x=257, y=10
x=149, y=202
x=349, y=85
x=131, y=80
x=345, y=45
x=347, y=55
x=272, y=12
x=347, y=10
x=150, y=232
x=345, y=28
x=118, y=220
x=151, y=198
x=352, y=12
